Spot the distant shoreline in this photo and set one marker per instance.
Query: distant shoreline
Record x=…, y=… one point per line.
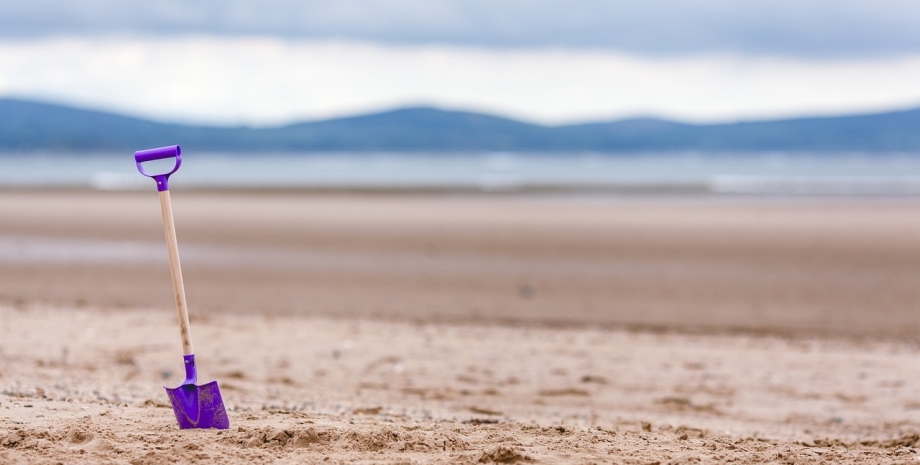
x=663, y=174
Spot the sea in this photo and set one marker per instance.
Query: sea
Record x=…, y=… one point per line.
x=690, y=173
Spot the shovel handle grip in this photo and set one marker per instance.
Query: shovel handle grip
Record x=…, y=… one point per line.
x=176, y=271
x=159, y=153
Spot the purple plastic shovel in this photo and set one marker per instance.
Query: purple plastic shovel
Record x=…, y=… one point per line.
x=195, y=406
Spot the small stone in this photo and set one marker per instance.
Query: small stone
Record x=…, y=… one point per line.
x=526, y=291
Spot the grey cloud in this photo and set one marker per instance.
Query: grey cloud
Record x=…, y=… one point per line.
x=818, y=28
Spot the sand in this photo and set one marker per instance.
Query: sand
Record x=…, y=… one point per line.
x=84, y=386
x=406, y=329
x=821, y=266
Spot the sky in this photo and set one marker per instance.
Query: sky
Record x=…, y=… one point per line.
x=546, y=61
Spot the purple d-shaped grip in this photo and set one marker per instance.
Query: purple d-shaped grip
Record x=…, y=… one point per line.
x=162, y=179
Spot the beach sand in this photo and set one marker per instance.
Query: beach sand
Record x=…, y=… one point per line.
x=462, y=329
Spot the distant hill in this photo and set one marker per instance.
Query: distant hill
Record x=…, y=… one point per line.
x=26, y=125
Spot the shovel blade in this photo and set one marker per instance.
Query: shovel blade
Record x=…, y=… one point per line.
x=198, y=406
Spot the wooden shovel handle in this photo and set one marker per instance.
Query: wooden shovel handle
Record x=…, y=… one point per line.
x=176, y=271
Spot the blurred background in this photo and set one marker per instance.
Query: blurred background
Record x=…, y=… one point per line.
x=550, y=62
x=692, y=95
x=691, y=163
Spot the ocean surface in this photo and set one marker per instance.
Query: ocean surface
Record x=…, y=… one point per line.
x=863, y=174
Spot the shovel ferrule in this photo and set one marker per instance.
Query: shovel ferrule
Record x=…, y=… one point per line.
x=191, y=371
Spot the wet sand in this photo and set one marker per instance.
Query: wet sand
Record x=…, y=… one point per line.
x=808, y=267
x=398, y=329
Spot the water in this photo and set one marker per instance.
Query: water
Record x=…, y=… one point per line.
x=771, y=173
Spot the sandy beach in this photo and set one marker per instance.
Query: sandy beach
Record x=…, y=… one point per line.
x=463, y=329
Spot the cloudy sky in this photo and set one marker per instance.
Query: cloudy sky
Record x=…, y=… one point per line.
x=548, y=61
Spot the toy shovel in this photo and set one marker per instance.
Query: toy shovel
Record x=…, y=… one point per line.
x=195, y=406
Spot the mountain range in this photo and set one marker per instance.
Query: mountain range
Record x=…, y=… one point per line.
x=28, y=125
